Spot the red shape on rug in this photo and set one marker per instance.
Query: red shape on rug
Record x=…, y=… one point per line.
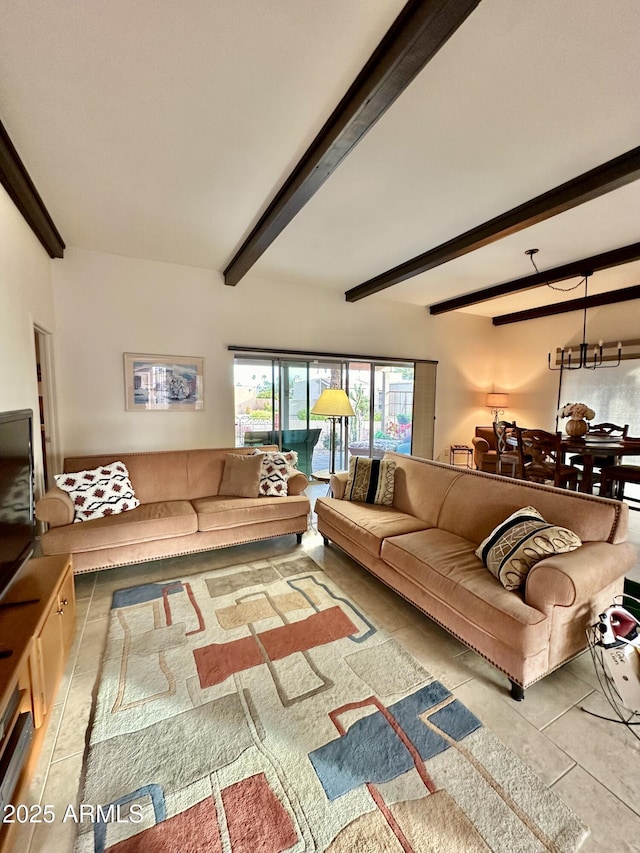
x=317, y=630
x=256, y=819
x=192, y=831
x=220, y=660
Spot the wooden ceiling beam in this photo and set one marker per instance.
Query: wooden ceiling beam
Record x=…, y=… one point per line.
x=21, y=189
x=416, y=35
x=612, y=297
x=603, y=261
x=602, y=179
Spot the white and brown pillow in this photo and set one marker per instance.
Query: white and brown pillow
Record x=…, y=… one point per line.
x=519, y=542
x=98, y=492
x=277, y=467
x=370, y=481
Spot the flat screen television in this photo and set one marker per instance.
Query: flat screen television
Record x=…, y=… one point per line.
x=17, y=520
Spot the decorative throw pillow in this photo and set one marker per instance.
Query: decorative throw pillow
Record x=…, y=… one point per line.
x=370, y=481
x=522, y=540
x=99, y=491
x=241, y=475
x=291, y=457
x=275, y=472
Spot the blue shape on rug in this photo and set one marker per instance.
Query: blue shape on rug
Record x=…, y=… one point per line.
x=156, y=794
x=145, y=592
x=454, y=719
x=371, y=751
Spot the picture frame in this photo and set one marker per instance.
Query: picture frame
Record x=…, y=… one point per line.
x=163, y=383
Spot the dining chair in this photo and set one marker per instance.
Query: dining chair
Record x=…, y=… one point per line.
x=508, y=455
x=615, y=477
x=544, y=463
x=604, y=430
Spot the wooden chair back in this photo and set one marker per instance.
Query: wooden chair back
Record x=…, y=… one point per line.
x=541, y=458
x=507, y=453
x=609, y=430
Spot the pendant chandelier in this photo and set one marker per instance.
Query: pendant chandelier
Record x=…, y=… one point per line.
x=586, y=356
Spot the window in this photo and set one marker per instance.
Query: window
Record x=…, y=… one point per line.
x=613, y=394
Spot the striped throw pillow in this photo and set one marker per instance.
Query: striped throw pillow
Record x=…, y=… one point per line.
x=519, y=542
x=370, y=481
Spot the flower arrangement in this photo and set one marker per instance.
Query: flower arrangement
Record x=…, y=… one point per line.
x=576, y=410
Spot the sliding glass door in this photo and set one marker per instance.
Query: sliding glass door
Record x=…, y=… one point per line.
x=274, y=398
x=382, y=398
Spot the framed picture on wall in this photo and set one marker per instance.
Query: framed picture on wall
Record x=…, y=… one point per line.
x=163, y=383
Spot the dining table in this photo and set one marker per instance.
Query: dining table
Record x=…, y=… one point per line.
x=590, y=448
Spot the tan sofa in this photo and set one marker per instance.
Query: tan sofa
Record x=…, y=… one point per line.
x=180, y=511
x=423, y=548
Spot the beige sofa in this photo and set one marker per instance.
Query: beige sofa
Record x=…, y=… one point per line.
x=180, y=511
x=423, y=547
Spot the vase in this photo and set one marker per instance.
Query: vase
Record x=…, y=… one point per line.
x=576, y=427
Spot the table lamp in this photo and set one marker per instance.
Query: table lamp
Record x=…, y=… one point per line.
x=497, y=403
x=334, y=404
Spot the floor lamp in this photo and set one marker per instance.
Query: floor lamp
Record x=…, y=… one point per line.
x=334, y=404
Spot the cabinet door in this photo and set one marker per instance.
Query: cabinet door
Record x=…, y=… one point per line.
x=67, y=611
x=51, y=654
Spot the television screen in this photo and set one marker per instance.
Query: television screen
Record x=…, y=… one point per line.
x=17, y=523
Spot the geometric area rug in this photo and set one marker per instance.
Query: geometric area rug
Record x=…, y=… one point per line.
x=255, y=709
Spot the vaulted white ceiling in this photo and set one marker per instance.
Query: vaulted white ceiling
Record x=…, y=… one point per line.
x=163, y=130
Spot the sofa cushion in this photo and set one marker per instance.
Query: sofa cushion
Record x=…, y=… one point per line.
x=241, y=476
x=366, y=524
x=219, y=512
x=513, y=548
x=161, y=520
x=370, y=481
x=98, y=492
x=446, y=567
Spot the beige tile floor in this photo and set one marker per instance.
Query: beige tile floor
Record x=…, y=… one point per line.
x=594, y=765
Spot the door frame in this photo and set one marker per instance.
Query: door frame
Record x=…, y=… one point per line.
x=46, y=423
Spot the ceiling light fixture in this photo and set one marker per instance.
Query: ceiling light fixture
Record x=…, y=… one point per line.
x=587, y=357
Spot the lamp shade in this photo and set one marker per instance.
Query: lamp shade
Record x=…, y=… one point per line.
x=497, y=401
x=333, y=403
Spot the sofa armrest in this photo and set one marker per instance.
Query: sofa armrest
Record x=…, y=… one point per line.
x=55, y=507
x=338, y=483
x=565, y=579
x=480, y=447
x=297, y=483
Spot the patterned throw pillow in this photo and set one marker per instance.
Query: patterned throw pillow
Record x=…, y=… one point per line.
x=276, y=469
x=370, y=481
x=291, y=457
x=100, y=491
x=522, y=540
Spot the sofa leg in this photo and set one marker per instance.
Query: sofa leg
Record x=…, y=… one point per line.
x=517, y=692
x=325, y=540
x=299, y=538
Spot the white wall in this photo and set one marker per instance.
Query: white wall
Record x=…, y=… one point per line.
x=107, y=305
x=25, y=298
